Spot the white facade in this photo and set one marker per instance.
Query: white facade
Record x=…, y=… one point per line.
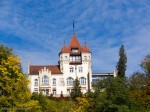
x=74, y=62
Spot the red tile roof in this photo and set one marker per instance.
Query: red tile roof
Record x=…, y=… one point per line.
x=64, y=49
x=74, y=43
x=55, y=69
x=85, y=48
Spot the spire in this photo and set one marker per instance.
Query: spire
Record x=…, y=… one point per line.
x=64, y=49
x=84, y=41
x=85, y=48
x=74, y=43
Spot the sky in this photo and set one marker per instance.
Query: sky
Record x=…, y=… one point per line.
x=36, y=30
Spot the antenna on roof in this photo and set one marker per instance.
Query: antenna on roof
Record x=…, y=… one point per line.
x=73, y=27
x=64, y=42
x=84, y=41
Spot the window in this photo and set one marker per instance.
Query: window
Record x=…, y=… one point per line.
x=35, y=91
x=74, y=50
x=68, y=91
x=71, y=69
x=80, y=69
x=78, y=58
x=54, y=92
x=36, y=82
x=45, y=80
x=75, y=58
x=70, y=81
x=54, y=82
x=66, y=58
x=82, y=81
x=85, y=57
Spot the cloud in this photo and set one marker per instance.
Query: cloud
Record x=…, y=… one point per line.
x=44, y=25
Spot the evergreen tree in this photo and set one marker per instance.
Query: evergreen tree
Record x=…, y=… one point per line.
x=145, y=64
x=121, y=65
x=76, y=89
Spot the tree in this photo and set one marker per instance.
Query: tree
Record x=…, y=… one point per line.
x=76, y=92
x=112, y=95
x=4, y=52
x=145, y=64
x=139, y=86
x=14, y=93
x=121, y=65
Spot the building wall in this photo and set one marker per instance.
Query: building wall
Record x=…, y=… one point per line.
x=61, y=86
x=86, y=65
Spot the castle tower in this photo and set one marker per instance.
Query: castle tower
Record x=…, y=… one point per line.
x=75, y=61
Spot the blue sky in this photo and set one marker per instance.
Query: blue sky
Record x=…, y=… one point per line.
x=36, y=30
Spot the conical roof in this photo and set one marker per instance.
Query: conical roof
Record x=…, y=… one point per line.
x=85, y=48
x=64, y=49
x=74, y=43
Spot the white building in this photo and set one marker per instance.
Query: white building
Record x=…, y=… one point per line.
x=74, y=61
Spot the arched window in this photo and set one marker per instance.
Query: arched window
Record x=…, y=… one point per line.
x=54, y=82
x=70, y=81
x=80, y=69
x=36, y=82
x=82, y=81
x=45, y=80
x=71, y=69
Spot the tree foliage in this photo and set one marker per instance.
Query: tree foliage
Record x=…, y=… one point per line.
x=121, y=65
x=112, y=94
x=76, y=92
x=140, y=89
x=14, y=93
x=145, y=64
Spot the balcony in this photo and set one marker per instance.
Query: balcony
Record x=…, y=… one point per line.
x=75, y=62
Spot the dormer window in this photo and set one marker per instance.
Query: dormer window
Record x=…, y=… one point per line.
x=74, y=50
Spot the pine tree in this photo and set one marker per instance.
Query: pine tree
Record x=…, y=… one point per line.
x=76, y=89
x=121, y=65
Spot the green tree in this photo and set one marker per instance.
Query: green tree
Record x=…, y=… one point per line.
x=14, y=93
x=76, y=92
x=140, y=89
x=44, y=102
x=145, y=64
x=4, y=52
x=121, y=65
x=112, y=95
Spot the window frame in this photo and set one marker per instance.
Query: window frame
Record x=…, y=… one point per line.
x=71, y=69
x=82, y=81
x=80, y=69
x=36, y=82
x=54, y=82
x=45, y=80
x=70, y=81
